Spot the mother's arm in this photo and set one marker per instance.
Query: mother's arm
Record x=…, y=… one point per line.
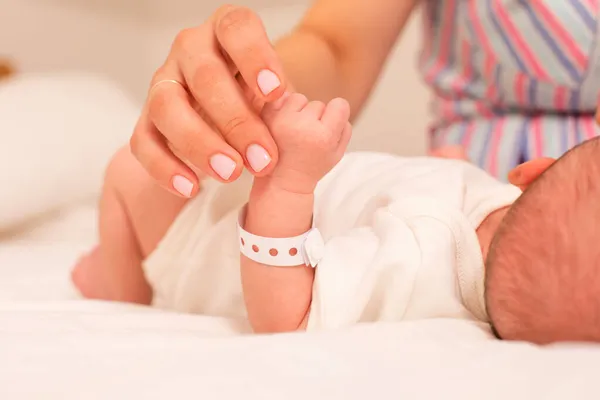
x=340, y=47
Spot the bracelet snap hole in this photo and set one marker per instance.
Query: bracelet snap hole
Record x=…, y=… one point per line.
x=293, y=251
x=255, y=248
x=273, y=252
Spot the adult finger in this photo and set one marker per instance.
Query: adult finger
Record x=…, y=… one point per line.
x=171, y=113
x=149, y=148
x=241, y=34
x=523, y=175
x=257, y=103
x=221, y=98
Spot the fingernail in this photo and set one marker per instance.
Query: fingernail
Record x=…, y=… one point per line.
x=222, y=165
x=257, y=157
x=267, y=81
x=183, y=185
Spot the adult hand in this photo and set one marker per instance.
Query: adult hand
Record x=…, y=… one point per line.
x=202, y=111
x=525, y=174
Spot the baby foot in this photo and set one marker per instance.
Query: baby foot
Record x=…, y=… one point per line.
x=311, y=138
x=88, y=277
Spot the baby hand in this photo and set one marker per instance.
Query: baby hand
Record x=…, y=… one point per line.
x=311, y=138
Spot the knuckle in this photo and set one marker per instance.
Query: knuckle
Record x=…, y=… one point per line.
x=189, y=147
x=234, y=125
x=331, y=136
x=136, y=148
x=157, y=105
x=153, y=166
x=159, y=74
x=135, y=145
x=332, y=141
x=205, y=63
x=205, y=72
x=222, y=10
x=232, y=19
x=185, y=39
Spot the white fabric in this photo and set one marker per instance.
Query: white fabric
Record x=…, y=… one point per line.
x=400, y=244
x=195, y=267
x=53, y=345
x=402, y=240
x=58, y=133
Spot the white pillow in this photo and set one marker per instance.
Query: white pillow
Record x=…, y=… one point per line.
x=57, y=134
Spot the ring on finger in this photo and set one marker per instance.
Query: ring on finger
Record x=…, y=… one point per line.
x=165, y=81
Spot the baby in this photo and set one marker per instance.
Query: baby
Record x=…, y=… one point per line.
x=402, y=238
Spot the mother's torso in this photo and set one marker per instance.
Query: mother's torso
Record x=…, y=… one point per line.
x=485, y=57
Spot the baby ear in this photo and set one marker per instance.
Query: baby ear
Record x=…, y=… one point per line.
x=523, y=175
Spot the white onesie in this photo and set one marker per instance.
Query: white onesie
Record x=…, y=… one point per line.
x=400, y=238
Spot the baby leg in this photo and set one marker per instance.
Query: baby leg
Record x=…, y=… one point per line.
x=135, y=213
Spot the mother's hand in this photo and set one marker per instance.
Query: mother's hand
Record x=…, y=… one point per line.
x=201, y=111
x=525, y=174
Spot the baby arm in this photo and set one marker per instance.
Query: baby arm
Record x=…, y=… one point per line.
x=311, y=138
x=277, y=298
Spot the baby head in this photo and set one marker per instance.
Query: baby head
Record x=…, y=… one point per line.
x=543, y=266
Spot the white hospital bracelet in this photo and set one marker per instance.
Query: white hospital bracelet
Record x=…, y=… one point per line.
x=304, y=249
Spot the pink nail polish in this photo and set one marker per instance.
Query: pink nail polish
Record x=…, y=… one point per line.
x=222, y=165
x=183, y=185
x=267, y=81
x=258, y=158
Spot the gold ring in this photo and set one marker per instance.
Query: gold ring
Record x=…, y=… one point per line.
x=165, y=81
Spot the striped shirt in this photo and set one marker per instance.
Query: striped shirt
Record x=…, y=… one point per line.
x=512, y=79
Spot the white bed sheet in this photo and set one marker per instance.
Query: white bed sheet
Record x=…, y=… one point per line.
x=55, y=345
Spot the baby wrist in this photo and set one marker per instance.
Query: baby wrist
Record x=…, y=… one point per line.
x=277, y=212
x=302, y=187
